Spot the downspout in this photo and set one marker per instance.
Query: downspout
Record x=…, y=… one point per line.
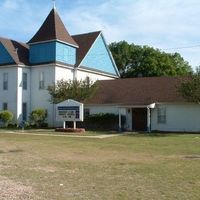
x=75, y=73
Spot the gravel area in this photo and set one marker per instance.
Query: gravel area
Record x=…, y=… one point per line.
x=11, y=190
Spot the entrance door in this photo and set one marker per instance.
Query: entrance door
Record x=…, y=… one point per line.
x=139, y=119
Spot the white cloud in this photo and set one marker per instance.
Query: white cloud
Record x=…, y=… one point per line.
x=162, y=24
x=159, y=23
x=11, y=4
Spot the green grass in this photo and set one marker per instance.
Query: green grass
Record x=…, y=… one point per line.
x=124, y=167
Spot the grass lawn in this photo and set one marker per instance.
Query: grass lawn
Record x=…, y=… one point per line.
x=123, y=167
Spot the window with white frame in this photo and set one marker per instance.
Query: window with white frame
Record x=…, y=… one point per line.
x=41, y=81
x=5, y=106
x=161, y=113
x=24, y=81
x=5, y=81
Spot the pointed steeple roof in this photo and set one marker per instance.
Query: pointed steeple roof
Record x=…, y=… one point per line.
x=53, y=29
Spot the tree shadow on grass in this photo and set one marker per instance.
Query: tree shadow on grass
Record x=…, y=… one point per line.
x=11, y=151
x=154, y=134
x=15, y=150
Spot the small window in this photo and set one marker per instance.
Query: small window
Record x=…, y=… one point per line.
x=24, y=111
x=161, y=115
x=86, y=112
x=24, y=80
x=5, y=81
x=41, y=81
x=5, y=106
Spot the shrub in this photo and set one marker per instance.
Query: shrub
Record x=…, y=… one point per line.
x=103, y=121
x=6, y=117
x=38, y=117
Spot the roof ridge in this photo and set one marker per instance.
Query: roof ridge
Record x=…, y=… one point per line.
x=87, y=33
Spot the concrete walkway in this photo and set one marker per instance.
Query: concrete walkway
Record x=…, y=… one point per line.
x=54, y=134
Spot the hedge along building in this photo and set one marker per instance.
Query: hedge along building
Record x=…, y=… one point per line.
x=26, y=69
x=148, y=104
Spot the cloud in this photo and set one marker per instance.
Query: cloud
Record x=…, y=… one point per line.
x=11, y=5
x=20, y=19
x=163, y=19
x=161, y=24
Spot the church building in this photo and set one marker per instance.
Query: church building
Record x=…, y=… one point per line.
x=52, y=54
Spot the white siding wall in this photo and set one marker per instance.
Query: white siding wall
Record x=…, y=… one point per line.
x=40, y=97
x=63, y=73
x=179, y=117
x=81, y=75
x=103, y=109
x=26, y=93
x=23, y=96
x=9, y=96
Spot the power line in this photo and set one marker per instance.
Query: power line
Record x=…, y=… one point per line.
x=183, y=47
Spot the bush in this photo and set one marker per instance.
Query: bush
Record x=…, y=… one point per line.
x=38, y=117
x=103, y=121
x=6, y=117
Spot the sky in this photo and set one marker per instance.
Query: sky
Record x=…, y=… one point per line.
x=171, y=26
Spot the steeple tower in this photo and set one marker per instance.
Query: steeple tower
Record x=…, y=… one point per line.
x=52, y=42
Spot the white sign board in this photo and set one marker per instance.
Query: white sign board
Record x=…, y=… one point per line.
x=69, y=110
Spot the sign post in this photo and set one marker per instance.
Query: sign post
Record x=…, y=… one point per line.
x=69, y=110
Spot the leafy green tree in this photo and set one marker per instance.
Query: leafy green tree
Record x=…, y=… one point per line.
x=134, y=60
x=190, y=89
x=6, y=117
x=38, y=116
x=77, y=90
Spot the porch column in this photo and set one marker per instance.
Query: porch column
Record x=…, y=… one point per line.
x=148, y=120
x=74, y=123
x=120, y=121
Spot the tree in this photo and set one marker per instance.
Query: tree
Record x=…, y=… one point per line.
x=6, y=117
x=38, y=116
x=134, y=60
x=190, y=89
x=77, y=90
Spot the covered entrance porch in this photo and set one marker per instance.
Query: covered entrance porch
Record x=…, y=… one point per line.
x=138, y=118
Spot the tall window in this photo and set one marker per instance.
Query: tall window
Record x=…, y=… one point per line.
x=5, y=81
x=41, y=81
x=24, y=80
x=5, y=106
x=161, y=115
x=24, y=111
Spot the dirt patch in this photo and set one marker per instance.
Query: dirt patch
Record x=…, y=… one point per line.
x=46, y=169
x=11, y=190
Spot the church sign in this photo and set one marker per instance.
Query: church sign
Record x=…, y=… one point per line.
x=69, y=110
